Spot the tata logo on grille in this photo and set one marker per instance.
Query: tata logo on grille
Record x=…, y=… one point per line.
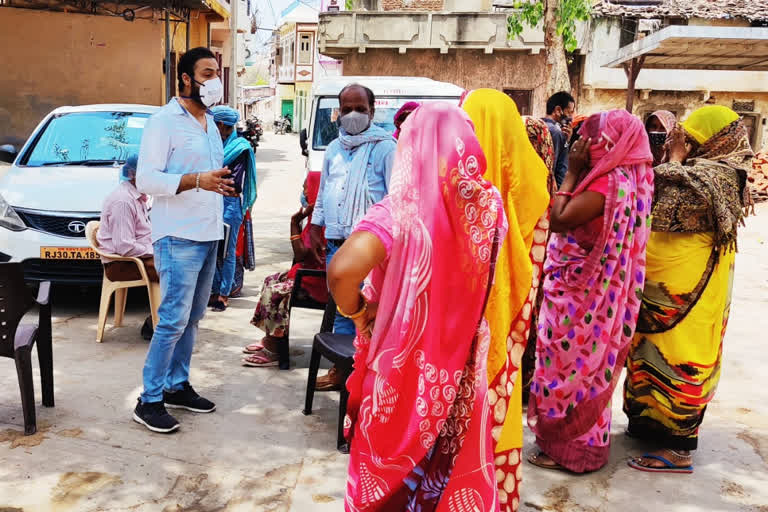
x=76, y=226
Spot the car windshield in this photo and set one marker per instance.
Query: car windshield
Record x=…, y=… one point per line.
x=83, y=137
x=326, y=129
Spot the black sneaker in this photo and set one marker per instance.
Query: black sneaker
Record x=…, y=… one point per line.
x=147, y=331
x=187, y=398
x=154, y=416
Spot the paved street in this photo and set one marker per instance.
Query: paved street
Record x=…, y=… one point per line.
x=258, y=452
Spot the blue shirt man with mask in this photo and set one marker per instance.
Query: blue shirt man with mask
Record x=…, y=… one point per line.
x=355, y=176
x=560, y=110
x=181, y=167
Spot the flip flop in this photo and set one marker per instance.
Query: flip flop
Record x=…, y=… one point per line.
x=533, y=459
x=266, y=361
x=219, y=306
x=670, y=466
x=248, y=350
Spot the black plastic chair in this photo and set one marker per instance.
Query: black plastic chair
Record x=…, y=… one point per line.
x=16, y=339
x=298, y=300
x=339, y=349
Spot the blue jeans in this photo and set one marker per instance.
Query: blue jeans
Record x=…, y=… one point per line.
x=186, y=270
x=224, y=277
x=341, y=325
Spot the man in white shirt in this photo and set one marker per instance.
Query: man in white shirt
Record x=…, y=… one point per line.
x=180, y=166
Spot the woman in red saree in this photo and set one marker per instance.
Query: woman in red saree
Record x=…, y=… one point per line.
x=418, y=414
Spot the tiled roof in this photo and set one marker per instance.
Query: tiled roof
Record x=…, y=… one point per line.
x=713, y=9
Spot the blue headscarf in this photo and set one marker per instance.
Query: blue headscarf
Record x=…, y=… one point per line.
x=233, y=147
x=225, y=115
x=128, y=172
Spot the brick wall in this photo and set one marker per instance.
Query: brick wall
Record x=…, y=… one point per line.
x=470, y=69
x=412, y=5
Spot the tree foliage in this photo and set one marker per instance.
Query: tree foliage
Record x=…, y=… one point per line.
x=531, y=13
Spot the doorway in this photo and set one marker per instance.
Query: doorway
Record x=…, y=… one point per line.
x=523, y=98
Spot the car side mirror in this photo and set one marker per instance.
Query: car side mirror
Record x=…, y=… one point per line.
x=8, y=153
x=303, y=142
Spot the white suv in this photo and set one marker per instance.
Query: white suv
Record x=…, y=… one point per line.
x=57, y=184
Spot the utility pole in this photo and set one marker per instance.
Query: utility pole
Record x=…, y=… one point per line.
x=235, y=50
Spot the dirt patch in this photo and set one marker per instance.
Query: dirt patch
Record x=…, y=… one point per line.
x=74, y=486
x=756, y=445
x=322, y=498
x=73, y=432
x=10, y=509
x=729, y=488
x=284, y=474
x=559, y=500
x=200, y=494
x=17, y=437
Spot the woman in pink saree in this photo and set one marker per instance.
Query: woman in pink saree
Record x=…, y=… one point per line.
x=594, y=277
x=419, y=417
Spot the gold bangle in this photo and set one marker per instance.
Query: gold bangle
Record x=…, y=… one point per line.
x=357, y=315
x=295, y=237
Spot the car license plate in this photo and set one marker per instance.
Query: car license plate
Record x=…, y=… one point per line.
x=68, y=253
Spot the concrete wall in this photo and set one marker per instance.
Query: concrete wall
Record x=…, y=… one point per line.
x=471, y=69
x=52, y=59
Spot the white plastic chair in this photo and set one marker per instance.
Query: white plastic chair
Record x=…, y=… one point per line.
x=120, y=288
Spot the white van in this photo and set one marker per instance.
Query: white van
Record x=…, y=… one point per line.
x=392, y=92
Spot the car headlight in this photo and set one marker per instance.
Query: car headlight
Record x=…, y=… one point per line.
x=9, y=219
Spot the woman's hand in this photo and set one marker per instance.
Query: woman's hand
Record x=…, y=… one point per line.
x=677, y=145
x=365, y=323
x=578, y=158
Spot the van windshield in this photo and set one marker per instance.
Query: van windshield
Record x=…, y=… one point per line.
x=326, y=129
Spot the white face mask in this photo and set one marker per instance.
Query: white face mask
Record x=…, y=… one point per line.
x=355, y=123
x=211, y=91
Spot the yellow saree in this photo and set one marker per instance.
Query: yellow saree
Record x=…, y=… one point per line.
x=518, y=172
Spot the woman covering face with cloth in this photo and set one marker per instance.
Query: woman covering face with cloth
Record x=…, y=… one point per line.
x=673, y=369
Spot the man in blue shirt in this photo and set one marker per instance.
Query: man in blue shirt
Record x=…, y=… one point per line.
x=180, y=166
x=355, y=176
x=560, y=109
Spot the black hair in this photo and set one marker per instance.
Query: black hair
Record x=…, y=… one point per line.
x=371, y=96
x=560, y=99
x=188, y=60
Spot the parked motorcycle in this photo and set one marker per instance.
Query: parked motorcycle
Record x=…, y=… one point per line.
x=254, y=125
x=283, y=125
x=245, y=131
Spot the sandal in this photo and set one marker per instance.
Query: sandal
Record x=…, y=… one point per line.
x=669, y=466
x=553, y=466
x=266, y=359
x=219, y=306
x=253, y=348
x=331, y=381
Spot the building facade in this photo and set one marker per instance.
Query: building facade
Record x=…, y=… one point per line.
x=110, y=53
x=465, y=42
x=297, y=63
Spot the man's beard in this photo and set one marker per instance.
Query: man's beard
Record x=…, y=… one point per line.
x=195, y=94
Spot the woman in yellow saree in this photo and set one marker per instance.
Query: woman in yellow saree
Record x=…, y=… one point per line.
x=519, y=173
x=673, y=367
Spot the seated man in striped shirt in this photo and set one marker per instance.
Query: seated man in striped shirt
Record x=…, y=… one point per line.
x=125, y=231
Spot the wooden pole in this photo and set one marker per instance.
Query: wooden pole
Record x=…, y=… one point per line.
x=632, y=70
